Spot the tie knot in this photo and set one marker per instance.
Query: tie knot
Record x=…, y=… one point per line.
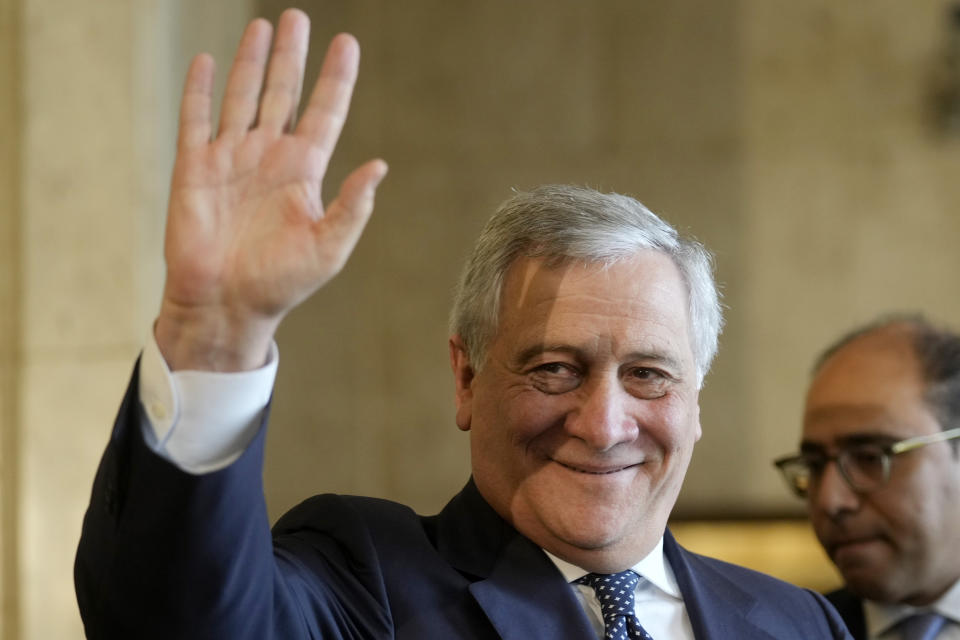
x=615, y=595
x=614, y=591
x=921, y=626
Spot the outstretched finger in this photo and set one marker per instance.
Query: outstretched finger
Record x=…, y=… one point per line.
x=242, y=93
x=195, y=105
x=347, y=215
x=326, y=112
x=285, y=74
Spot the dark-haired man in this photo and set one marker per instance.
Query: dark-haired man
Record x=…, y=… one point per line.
x=879, y=468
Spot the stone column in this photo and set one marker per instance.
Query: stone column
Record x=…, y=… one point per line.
x=84, y=209
x=9, y=305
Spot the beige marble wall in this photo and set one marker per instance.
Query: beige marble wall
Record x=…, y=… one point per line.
x=100, y=84
x=9, y=306
x=77, y=283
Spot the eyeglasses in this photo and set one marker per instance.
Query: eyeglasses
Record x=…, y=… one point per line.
x=864, y=466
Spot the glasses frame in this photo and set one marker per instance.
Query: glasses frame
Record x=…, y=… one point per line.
x=889, y=451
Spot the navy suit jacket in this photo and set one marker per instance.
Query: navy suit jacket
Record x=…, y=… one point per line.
x=166, y=554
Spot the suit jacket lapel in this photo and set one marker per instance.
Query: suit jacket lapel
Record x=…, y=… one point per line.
x=717, y=607
x=527, y=597
x=522, y=593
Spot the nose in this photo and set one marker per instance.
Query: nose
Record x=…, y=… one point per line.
x=602, y=417
x=831, y=494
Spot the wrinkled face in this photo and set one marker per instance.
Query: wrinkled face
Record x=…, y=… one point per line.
x=585, y=413
x=898, y=543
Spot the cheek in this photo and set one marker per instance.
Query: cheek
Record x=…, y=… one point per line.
x=906, y=523
x=818, y=522
x=510, y=423
x=530, y=414
x=675, y=425
x=927, y=515
x=913, y=500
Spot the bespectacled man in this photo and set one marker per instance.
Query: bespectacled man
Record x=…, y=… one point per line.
x=880, y=471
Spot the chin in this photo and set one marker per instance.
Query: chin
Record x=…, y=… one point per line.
x=873, y=591
x=591, y=540
x=598, y=551
x=595, y=532
x=872, y=587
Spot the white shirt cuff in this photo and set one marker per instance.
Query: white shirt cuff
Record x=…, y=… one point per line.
x=202, y=421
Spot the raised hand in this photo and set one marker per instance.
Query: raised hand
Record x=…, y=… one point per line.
x=248, y=237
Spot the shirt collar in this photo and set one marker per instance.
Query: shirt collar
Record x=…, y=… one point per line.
x=881, y=617
x=653, y=567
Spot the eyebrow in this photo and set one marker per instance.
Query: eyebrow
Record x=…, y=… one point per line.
x=852, y=439
x=536, y=349
x=660, y=358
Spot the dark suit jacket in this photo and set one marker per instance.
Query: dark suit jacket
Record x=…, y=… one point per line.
x=166, y=554
x=850, y=608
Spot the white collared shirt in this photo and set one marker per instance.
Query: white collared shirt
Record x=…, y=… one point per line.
x=882, y=619
x=657, y=600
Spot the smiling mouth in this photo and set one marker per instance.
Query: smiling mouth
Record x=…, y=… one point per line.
x=594, y=472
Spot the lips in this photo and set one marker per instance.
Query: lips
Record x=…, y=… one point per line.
x=593, y=470
x=836, y=544
x=850, y=548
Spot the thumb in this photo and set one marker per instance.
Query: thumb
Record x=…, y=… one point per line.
x=347, y=215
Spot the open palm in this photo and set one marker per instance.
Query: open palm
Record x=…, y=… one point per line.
x=248, y=237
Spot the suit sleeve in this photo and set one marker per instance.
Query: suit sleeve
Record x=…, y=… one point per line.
x=167, y=554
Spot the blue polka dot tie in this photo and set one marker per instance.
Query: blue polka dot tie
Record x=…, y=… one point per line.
x=615, y=593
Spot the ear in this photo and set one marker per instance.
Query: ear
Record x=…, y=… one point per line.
x=462, y=381
x=696, y=417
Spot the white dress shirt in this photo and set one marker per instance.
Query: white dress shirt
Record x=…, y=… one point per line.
x=203, y=421
x=658, y=603
x=882, y=619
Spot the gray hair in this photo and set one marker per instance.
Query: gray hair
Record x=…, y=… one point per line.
x=937, y=350
x=561, y=223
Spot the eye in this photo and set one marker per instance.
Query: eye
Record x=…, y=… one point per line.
x=646, y=382
x=866, y=459
x=555, y=377
x=814, y=464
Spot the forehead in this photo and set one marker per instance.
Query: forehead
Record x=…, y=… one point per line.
x=872, y=386
x=639, y=302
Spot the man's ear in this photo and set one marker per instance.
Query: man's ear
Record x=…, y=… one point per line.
x=699, y=431
x=462, y=381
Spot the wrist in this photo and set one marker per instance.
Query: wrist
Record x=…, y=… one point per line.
x=212, y=339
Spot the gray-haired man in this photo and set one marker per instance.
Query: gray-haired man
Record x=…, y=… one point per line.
x=582, y=332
